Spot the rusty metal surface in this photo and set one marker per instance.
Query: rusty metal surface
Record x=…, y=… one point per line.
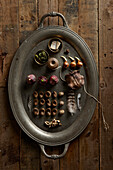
x=23, y=64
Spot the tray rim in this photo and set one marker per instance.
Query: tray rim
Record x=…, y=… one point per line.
x=9, y=87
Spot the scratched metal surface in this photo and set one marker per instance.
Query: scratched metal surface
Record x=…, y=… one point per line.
x=23, y=64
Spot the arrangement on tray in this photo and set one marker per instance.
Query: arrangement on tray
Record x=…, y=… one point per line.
x=44, y=103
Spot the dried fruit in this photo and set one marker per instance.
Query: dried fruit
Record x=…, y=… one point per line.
x=61, y=94
x=61, y=103
x=31, y=79
x=36, y=111
x=53, y=80
x=42, y=102
x=35, y=94
x=48, y=111
x=61, y=112
x=54, y=94
x=48, y=102
x=42, y=111
x=41, y=95
x=54, y=103
x=35, y=102
x=42, y=80
x=47, y=94
x=54, y=111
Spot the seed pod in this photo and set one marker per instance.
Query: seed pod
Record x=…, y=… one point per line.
x=42, y=102
x=48, y=111
x=54, y=111
x=54, y=94
x=48, y=102
x=54, y=103
x=61, y=94
x=61, y=103
x=41, y=95
x=79, y=64
x=36, y=111
x=66, y=64
x=35, y=102
x=61, y=112
x=35, y=94
x=73, y=63
x=47, y=94
x=42, y=111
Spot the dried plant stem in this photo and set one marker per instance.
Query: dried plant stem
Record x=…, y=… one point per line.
x=106, y=126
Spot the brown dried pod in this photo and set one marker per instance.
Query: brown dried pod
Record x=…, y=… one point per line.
x=42, y=111
x=35, y=94
x=54, y=111
x=61, y=103
x=35, y=102
x=48, y=102
x=54, y=94
x=61, y=112
x=61, y=93
x=36, y=111
x=74, y=79
x=54, y=103
x=41, y=95
x=48, y=111
x=42, y=102
x=47, y=94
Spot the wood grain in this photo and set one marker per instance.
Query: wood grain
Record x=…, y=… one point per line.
x=70, y=10
x=89, y=140
x=106, y=81
x=29, y=149
x=8, y=37
x=93, y=20
x=9, y=135
x=9, y=42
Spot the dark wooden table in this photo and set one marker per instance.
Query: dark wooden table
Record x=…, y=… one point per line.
x=93, y=20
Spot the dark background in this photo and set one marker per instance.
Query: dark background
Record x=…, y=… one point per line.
x=91, y=19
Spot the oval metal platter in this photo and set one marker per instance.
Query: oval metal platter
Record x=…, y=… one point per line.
x=23, y=64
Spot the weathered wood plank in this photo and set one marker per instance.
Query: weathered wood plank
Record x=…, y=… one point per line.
x=9, y=41
x=89, y=140
x=29, y=149
x=70, y=10
x=9, y=135
x=27, y=18
x=49, y=6
x=106, y=81
x=8, y=36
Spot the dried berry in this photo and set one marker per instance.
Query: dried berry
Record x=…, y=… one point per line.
x=54, y=103
x=48, y=102
x=53, y=80
x=54, y=94
x=48, y=111
x=31, y=79
x=35, y=94
x=42, y=80
x=42, y=102
x=61, y=112
x=42, y=111
x=36, y=111
x=61, y=94
x=35, y=102
x=61, y=103
x=41, y=95
x=47, y=94
x=54, y=111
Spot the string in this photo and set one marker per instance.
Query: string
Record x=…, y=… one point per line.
x=106, y=126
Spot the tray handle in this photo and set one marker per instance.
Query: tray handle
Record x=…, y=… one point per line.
x=54, y=156
x=53, y=14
